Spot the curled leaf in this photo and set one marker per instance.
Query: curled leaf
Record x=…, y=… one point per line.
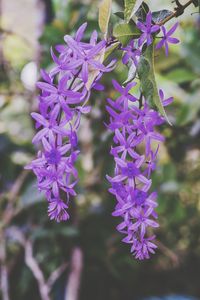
x=104, y=15
x=146, y=74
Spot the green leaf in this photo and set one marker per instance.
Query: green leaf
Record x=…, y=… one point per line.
x=125, y=32
x=104, y=15
x=159, y=16
x=31, y=195
x=142, y=12
x=119, y=14
x=131, y=73
x=181, y=75
x=110, y=49
x=196, y=3
x=131, y=6
x=146, y=74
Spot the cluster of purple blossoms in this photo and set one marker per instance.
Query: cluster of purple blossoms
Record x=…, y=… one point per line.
x=133, y=51
x=133, y=123
x=65, y=91
x=64, y=94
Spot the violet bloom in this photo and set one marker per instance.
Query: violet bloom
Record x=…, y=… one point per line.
x=166, y=39
x=134, y=123
x=147, y=30
x=131, y=52
x=62, y=101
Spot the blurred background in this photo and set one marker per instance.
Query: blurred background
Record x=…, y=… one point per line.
x=85, y=259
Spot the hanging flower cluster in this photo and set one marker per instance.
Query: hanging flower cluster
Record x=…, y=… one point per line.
x=64, y=94
x=134, y=126
x=65, y=91
x=134, y=123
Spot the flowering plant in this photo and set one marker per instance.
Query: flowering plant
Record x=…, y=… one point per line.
x=134, y=117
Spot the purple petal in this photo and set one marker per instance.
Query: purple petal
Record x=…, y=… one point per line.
x=40, y=135
x=40, y=119
x=173, y=29
x=46, y=87
x=80, y=32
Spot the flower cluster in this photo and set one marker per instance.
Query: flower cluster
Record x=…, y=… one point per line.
x=64, y=94
x=133, y=50
x=133, y=123
x=65, y=91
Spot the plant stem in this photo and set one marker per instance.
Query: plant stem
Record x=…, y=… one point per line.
x=179, y=10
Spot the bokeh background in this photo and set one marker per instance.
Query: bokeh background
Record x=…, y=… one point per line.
x=87, y=255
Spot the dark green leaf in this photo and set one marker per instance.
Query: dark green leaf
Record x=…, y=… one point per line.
x=196, y=3
x=142, y=12
x=110, y=49
x=160, y=15
x=125, y=32
x=148, y=82
x=119, y=14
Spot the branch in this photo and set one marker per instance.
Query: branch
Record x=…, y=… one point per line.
x=3, y=270
x=179, y=10
x=10, y=211
x=73, y=284
x=169, y=253
x=55, y=275
x=45, y=286
x=37, y=272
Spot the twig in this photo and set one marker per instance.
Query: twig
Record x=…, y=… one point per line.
x=55, y=275
x=179, y=10
x=45, y=286
x=169, y=253
x=3, y=271
x=10, y=210
x=74, y=279
x=34, y=267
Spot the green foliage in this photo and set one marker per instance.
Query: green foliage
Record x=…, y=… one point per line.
x=131, y=6
x=159, y=16
x=125, y=32
x=146, y=74
x=104, y=15
x=109, y=272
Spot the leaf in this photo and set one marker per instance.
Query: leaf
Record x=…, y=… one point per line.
x=31, y=195
x=110, y=49
x=131, y=6
x=146, y=74
x=104, y=15
x=181, y=75
x=93, y=73
x=196, y=3
x=159, y=16
x=131, y=73
x=142, y=12
x=125, y=32
x=119, y=14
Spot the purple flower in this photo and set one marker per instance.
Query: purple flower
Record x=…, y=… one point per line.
x=57, y=210
x=147, y=30
x=62, y=101
x=131, y=52
x=86, y=59
x=133, y=123
x=167, y=38
x=167, y=101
